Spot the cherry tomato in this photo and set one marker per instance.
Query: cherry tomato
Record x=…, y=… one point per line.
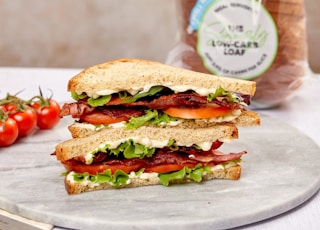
x=48, y=115
x=8, y=131
x=25, y=117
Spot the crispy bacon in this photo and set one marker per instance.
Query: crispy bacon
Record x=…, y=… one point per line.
x=116, y=112
x=77, y=109
x=164, y=157
x=216, y=156
x=184, y=155
x=178, y=100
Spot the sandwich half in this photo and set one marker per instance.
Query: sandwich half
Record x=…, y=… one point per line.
x=131, y=93
x=141, y=123
x=120, y=158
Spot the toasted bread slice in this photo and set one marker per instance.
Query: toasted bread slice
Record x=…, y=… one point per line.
x=231, y=172
x=246, y=119
x=134, y=75
x=149, y=136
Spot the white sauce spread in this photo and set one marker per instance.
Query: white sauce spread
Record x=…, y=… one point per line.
x=146, y=142
x=146, y=88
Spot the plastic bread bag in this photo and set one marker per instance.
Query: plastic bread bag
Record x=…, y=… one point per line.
x=259, y=40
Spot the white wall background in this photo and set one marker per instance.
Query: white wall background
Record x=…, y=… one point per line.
x=80, y=33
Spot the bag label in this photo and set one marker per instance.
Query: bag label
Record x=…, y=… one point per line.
x=236, y=38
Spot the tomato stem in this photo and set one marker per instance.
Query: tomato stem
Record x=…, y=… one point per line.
x=40, y=99
x=3, y=118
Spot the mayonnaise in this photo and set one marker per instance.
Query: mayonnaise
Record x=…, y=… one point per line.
x=134, y=90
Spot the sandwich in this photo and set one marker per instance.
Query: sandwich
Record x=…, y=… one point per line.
x=131, y=93
x=120, y=158
x=139, y=123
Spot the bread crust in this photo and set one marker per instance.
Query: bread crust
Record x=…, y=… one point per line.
x=82, y=146
x=247, y=118
x=231, y=173
x=123, y=74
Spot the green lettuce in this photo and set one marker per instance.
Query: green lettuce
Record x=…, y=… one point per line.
x=220, y=92
x=100, y=101
x=77, y=97
x=129, y=149
x=94, y=102
x=151, y=116
x=117, y=179
x=194, y=174
x=120, y=178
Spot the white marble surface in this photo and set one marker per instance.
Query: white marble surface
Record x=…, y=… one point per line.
x=280, y=173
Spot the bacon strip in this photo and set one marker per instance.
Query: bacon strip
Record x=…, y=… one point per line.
x=217, y=158
x=183, y=155
x=77, y=109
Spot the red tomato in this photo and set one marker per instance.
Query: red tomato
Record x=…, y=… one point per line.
x=72, y=165
x=97, y=118
x=48, y=115
x=193, y=113
x=26, y=118
x=8, y=131
x=95, y=168
x=115, y=101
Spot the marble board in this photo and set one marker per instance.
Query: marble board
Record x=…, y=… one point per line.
x=279, y=173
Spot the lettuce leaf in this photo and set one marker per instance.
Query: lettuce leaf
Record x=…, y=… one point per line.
x=129, y=149
x=194, y=174
x=94, y=102
x=220, y=92
x=151, y=116
x=120, y=177
x=77, y=97
x=136, y=122
x=117, y=179
x=100, y=101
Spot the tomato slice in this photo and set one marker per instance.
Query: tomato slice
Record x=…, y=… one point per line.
x=97, y=168
x=97, y=118
x=115, y=101
x=93, y=169
x=194, y=113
